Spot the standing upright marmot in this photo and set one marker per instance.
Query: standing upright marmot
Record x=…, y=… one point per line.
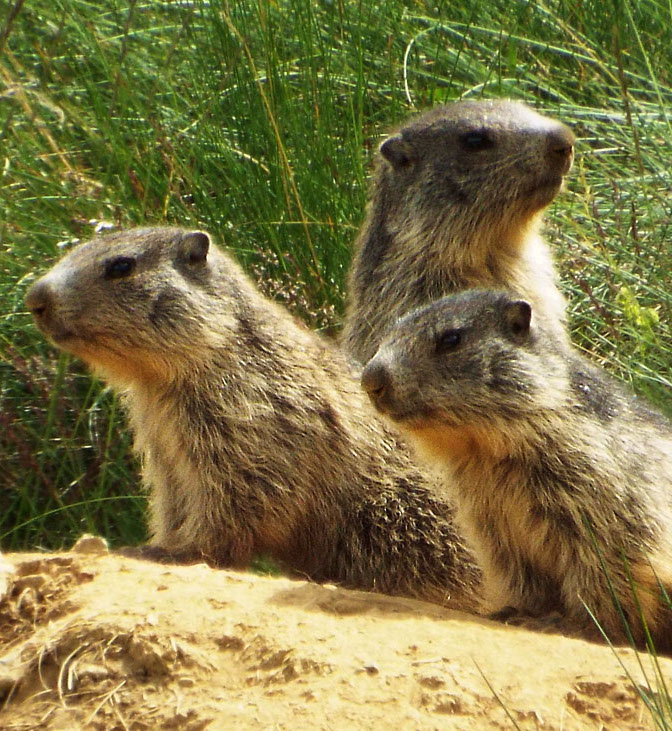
x=562, y=479
x=456, y=203
x=254, y=434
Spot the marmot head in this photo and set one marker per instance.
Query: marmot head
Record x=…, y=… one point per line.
x=487, y=163
x=468, y=360
x=132, y=304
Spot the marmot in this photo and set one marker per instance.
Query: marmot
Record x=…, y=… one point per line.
x=456, y=203
x=563, y=480
x=254, y=433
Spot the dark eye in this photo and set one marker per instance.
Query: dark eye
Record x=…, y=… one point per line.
x=447, y=341
x=119, y=267
x=478, y=140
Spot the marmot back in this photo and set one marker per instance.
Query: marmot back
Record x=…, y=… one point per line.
x=255, y=436
x=555, y=468
x=456, y=202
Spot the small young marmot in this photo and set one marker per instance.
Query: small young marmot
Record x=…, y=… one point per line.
x=456, y=203
x=563, y=480
x=254, y=433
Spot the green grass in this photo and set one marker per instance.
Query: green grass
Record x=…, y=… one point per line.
x=257, y=121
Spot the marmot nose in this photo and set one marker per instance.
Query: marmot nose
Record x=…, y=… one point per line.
x=561, y=145
x=377, y=384
x=39, y=297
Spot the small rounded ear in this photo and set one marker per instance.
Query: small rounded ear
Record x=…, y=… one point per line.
x=396, y=151
x=518, y=316
x=194, y=247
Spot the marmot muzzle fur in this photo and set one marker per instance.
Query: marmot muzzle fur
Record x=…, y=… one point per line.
x=254, y=434
x=456, y=203
x=563, y=479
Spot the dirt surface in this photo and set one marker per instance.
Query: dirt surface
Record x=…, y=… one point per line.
x=94, y=640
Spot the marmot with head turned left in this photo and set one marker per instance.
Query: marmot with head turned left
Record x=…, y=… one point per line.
x=254, y=434
x=563, y=480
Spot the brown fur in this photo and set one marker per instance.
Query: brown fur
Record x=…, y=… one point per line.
x=254, y=434
x=456, y=203
x=554, y=466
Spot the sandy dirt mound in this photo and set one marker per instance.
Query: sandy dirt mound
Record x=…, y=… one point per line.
x=93, y=640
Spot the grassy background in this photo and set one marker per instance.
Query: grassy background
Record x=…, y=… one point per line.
x=256, y=121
